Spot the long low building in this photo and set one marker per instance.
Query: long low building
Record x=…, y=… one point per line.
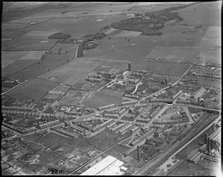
x=107, y=166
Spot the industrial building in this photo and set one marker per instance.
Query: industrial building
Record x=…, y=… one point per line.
x=107, y=166
x=199, y=93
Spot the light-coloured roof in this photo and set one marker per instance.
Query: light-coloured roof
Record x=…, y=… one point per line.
x=107, y=166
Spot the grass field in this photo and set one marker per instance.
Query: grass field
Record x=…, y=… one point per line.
x=16, y=66
x=5, y=63
x=211, y=45
x=76, y=27
x=207, y=14
x=50, y=62
x=162, y=68
x=27, y=44
x=174, y=52
x=103, y=140
x=39, y=34
x=35, y=89
x=125, y=33
x=32, y=55
x=139, y=46
x=71, y=100
x=70, y=48
x=10, y=57
x=102, y=99
x=69, y=74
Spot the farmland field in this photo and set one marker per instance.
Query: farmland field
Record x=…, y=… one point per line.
x=102, y=99
x=174, y=52
x=35, y=89
x=70, y=48
x=211, y=45
x=172, y=69
x=69, y=74
x=16, y=66
x=207, y=14
x=77, y=27
x=50, y=62
x=45, y=75
x=27, y=44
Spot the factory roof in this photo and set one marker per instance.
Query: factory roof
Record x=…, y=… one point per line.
x=107, y=166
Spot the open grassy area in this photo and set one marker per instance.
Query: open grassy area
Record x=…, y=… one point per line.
x=35, y=89
x=49, y=62
x=16, y=66
x=102, y=99
x=27, y=44
x=70, y=74
x=189, y=169
x=211, y=45
x=103, y=140
x=174, y=52
x=162, y=68
x=207, y=14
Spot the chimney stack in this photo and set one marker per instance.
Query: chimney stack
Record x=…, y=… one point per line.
x=205, y=138
x=138, y=156
x=208, y=146
x=129, y=66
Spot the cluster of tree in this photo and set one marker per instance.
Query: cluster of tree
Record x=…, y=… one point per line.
x=96, y=36
x=67, y=41
x=105, y=27
x=148, y=151
x=49, y=109
x=88, y=41
x=150, y=22
x=80, y=51
x=59, y=36
x=89, y=45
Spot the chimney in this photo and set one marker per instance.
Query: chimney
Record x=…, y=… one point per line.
x=138, y=156
x=129, y=66
x=205, y=138
x=208, y=146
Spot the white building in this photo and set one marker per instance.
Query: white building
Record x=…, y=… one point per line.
x=107, y=166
